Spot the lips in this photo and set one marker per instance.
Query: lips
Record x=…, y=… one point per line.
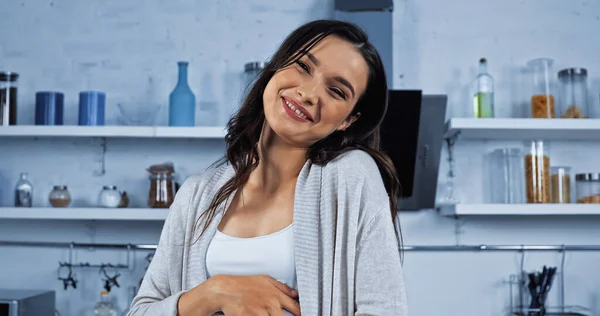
x=298, y=110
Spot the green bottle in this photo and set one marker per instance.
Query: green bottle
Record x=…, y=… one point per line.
x=483, y=100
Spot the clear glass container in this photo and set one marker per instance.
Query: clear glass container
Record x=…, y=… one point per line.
x=104, y=307
x=483, y=100
x=23, y=192
x=573, y=93
x=109, y=197
x=8, y=98
x=537, y=171
x=560, y=184
x=162, y=190
x=60, y=196
x=588, y=188
x=251, y=72
x=506, y=176
x=543, y=94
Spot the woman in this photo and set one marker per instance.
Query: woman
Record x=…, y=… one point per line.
x=300, y=218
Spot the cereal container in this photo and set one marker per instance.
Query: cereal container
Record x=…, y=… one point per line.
x=537, y=171
x=543, y=95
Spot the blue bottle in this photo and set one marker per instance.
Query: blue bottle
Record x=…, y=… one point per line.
x=182, y=102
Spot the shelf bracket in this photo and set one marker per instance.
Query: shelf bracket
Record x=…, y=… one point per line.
x=102, y=161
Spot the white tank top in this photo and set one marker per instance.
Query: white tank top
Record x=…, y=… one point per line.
x=271, y=255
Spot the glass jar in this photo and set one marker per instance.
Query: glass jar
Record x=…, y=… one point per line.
x=542, y=98
x=162, y=191
x=8, y=98
x=251, y=72
x=109, y=197
x=537, y=171
x=506, y=174
x=573, y=93
x=588, y=188
x=560, y=184
x=60, y=196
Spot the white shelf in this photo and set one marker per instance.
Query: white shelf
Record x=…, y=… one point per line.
x=113, y=131
x=524, y=128
x=103, y=214
x=519, y=209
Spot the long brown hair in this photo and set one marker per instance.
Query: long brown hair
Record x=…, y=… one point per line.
x=244, y=128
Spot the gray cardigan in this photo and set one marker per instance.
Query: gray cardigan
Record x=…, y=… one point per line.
x=346, y=252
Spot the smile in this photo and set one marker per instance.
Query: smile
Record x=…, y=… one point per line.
x=294, y=112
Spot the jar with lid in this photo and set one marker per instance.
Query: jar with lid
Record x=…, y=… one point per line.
x=251, y=72
x=560, y=184
x=588, y=188
x=506, y=176
x=109, y=196
x=537, y=171
x=162, y=191
x=573, y=93
x=543, y=95
x=60, y=196
x=8, y=98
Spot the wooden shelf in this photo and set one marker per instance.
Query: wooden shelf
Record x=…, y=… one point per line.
x=113, y=131
x=102, y=214
x=523, y=129
x=519, y=209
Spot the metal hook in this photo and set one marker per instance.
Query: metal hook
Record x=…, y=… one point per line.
x=562, y=277
x=521, y=275
x=71, y=246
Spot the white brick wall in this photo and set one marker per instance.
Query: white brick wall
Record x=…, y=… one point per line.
x=129, y=49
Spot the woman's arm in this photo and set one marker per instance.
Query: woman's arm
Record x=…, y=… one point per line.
x=379, y=280
x=155, y=296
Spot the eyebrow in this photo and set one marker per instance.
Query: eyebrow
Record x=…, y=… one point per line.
x=338, y=78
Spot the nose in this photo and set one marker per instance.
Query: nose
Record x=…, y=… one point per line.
x=308, y=92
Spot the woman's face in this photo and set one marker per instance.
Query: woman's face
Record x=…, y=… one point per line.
x=312, y=98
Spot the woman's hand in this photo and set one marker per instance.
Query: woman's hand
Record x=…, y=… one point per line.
x=254, y=295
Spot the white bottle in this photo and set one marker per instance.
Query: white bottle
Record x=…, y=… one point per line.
x=104, y=307
x=109, y=197
x=23, y=192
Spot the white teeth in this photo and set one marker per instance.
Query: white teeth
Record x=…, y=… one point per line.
x=298, y=112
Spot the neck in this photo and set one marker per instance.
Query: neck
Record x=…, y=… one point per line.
x=279, y=164
x=182, y=74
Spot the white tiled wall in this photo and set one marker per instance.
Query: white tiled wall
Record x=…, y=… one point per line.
x=129, y=49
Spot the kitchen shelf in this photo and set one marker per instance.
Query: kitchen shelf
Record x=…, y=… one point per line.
x=519, y=209
x=102, y=214
x=523, y=128
x=113, y=131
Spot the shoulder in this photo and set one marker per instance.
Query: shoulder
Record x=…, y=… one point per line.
x=356, y=166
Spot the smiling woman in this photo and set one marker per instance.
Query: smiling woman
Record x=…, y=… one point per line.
x=300, y=215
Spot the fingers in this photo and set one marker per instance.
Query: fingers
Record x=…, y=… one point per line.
x=276, y=312
x=283, y=288
x=290, y=305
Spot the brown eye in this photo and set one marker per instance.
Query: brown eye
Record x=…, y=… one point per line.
x=303, y=66
x=339, y=92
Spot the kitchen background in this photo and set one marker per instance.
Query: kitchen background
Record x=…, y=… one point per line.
x=130, y=49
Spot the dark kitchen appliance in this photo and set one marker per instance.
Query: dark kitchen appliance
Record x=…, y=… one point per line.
x=27, y=302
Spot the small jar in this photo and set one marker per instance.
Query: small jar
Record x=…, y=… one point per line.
x=560, y=184
x=162, y=190
x=588, y=188
x=537, y=171
x=109, y=196
x=573, y=93
x=542, y=98
x=60, y=196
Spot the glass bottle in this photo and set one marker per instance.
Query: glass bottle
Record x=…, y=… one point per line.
x=483, y=100
x=23, y=192
x=573, y=93
x=542, y=98
x=537, y=171
x=104, y=307
x=60, y=196
x=182, y=102
x=162, y=191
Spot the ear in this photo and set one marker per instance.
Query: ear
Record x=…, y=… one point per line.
x=346, y=123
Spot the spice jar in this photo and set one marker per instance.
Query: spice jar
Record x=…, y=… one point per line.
x=109, y=196
x=8, y=98
x=560, y=179
x=537, y=171
x=60, y=196
x=588, y=187
x=162, y=191
x=573, y=93
x=542, y=99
